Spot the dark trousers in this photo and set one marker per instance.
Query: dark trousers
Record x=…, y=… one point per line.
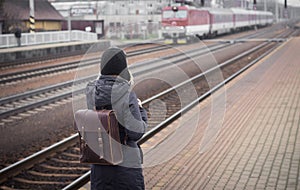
x=116, y=178
x=19, y=42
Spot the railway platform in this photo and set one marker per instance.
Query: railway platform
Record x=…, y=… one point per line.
x=53, y=49
x=258, y=145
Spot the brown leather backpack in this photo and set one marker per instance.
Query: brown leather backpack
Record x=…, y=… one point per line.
x=99, y=137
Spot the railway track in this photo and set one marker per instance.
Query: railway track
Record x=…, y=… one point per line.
x=13, y=105
x=41, y=71
x=21, y=75
x=20, y=103
x=58, y=165
x=30, y=61
x=39, y=60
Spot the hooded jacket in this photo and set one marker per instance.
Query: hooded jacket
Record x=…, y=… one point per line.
x=111, y=92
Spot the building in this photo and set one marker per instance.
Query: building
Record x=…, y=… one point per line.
x=139, y=18
x=15, y=14
x=122, y=18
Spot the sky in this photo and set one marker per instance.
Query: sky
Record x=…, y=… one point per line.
x=294, y=3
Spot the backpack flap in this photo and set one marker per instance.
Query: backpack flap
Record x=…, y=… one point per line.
x=97, y=145
x=112, y=147
x=89, y=128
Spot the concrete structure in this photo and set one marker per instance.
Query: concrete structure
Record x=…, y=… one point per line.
x=55, y=50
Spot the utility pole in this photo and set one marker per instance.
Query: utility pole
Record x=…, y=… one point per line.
x=69, y=23
x=97, y=16
x=276, y=11
x=285, y=9
x=31, y=17
x=285, y=4
x=265, y=5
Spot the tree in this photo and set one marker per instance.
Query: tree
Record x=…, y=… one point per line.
x=11, y=20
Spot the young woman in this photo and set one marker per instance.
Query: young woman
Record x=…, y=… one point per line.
x=112, y=90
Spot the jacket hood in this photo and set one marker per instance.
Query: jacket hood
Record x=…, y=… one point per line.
x=113, y=62
x=110, y=89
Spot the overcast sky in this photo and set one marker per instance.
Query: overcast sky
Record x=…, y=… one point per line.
x=291, y=2
x=294, y=2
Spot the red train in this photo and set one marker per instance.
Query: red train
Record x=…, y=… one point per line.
x=181, y=23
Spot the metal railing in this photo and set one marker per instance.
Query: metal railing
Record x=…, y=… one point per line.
x=9, y=40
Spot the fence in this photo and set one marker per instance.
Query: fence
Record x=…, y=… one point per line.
x=9, y=40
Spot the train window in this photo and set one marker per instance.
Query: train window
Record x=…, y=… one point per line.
x=172, y=14
x=181, y=14
x=168, y=14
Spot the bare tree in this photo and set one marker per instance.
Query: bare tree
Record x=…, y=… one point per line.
x=11, y=19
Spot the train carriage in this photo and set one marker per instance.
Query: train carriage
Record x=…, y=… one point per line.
x=221, y=21
x=243, y=18
x=264, y=18
x=251, y=18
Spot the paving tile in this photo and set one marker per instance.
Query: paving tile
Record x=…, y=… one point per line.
x=258, y=146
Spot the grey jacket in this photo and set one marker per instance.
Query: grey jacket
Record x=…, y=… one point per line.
x=110, y=92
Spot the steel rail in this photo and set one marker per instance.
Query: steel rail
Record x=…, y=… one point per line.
x=82, y=180
x=28, y=162
x=41, y=90
x=34, y=158
x=61, y=85
x=11, y=77
x=27, y=61
x=22, y=164
x=40, y=103
x=53, y=57
x=31, y=93
x=134, y=67
x=230, y=61
x=148, y=50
